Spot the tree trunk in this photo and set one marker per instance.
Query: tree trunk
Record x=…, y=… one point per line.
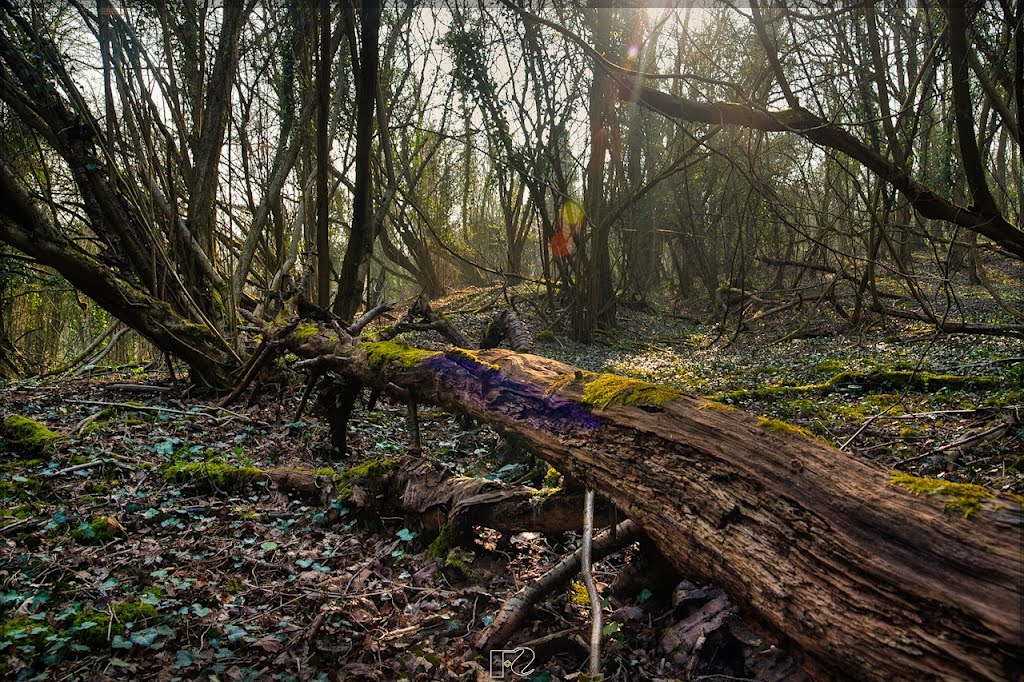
x=870, y=581
x=360, y=241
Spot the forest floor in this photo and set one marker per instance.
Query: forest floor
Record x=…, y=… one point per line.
x=116, y=565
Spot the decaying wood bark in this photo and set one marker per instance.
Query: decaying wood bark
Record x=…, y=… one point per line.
x=431, y=498
x=870, y=581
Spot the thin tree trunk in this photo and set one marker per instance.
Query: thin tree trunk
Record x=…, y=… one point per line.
x=360, y=240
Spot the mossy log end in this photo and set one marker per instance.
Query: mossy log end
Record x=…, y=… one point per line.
x=870, y=580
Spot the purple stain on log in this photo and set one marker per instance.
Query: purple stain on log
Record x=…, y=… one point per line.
x=494, y=391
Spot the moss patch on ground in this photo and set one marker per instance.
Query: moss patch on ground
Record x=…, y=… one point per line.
x=29, y=436
x=98, y=531
x=963, y=497
x=94, y=626
x=21, y=488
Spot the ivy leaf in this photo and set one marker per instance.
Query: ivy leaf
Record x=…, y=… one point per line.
x=268, y=545
x=164, y=447
x=406, y=535
x=235, y=632
x=145, y=637
x=644, y=595
x=185, y=658
x=120, y=642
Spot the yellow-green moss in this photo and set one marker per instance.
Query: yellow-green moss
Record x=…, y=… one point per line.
x=612, y=389
x=197, y=331
x=579, y=594
x=29, y=435
x=566, y=379
x=20, y=464
x=964, y=497
x=877, y=377
x=459, y=559
x=22, y=511
x=779, y=426
x=715, y=405
x=221, y=474
x=371, y=474
x=442, y=543
x=234, y=586
x=305, y=331
x=551, y=477
x=24, y=632
x=21, y=488
x=546, y=336
x=379, y=353
x=472, y=355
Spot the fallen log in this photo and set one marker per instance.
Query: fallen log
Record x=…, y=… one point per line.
x=868, y=579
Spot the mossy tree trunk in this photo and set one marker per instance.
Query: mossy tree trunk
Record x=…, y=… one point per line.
x=868, y=579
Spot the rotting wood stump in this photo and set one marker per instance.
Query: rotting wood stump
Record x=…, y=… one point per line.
x=869, y=580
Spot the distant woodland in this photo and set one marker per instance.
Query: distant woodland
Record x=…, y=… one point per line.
x=167, y=165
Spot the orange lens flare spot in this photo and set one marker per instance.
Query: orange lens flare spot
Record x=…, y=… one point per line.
x=561, y=245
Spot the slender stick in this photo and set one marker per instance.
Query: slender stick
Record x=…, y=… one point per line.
x=588, y=580
x=310, y=383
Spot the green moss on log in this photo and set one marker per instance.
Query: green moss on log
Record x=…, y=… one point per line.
x=221, y=474
x=371, y=475
x=785, y=428
x=962, y=497
x=612, y=389
x=471, y=355
x=438, y=549
x=380, y=353
x=875, y=378
x=29, y=436
x=305, y=331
